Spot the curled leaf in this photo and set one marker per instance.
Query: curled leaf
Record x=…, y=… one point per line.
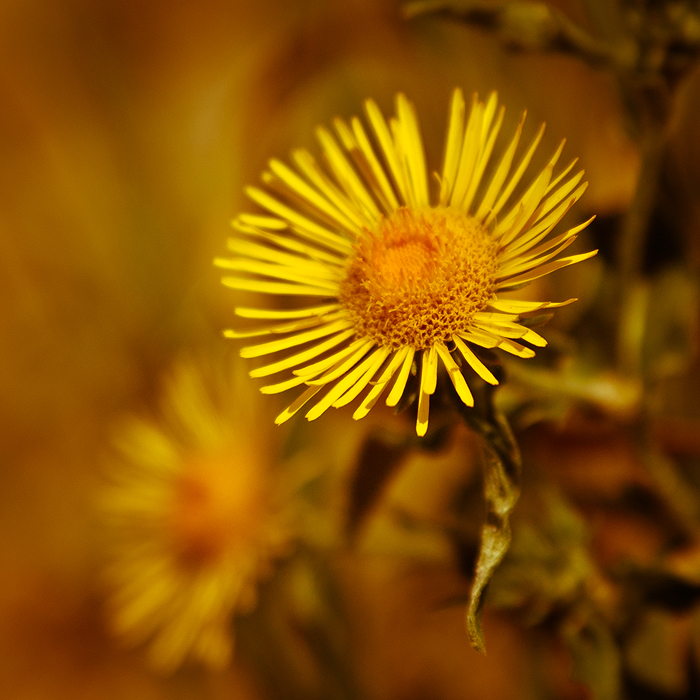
x=501, y=490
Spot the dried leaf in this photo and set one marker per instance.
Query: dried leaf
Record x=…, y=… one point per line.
x=501, y=479
x=522, y=26
x=380, y=457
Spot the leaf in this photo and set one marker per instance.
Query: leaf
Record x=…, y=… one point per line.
x=670, y=341
x=522, y=26
x=596, y=658
x=501, y=478
x=382, y=454
x=657, y=652
x=548, y=564
x=380, y=457
x=502, y=465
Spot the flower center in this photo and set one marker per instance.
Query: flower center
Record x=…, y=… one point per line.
x=420, y=277
x=217, y=506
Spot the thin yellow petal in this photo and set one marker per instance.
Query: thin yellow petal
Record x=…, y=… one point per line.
x=516, y=332
x=309, y=372
x=471, y=146
x=250, y=285
x=458, y=381
x=400, y=384
x=333, y=361
x=273, y=255
x=362, y=347
x=379, y=179
x=301, y=357
x=515, y=348
x=533, y=235
x=265, y=222
x=553, y=242
x=498, y=324
x=288, y=242
x=280, y=272
x=484, y=157
x=311, y=196
x=245, y=312
x=340, y=388
x=482, y=337
x=346, y=175
x=386, y=143
x=289, y=327
x=515, y=306
x=561, y=194
x=298, y=403
x=378, y=358
x=474, y=362
x=501, y=173
x=544, y=270
x=515, y=220
x=429, y=370
x=412, y=146
x=424, y=398
x=375, y=392
x=515, y=178
x=453, y=146
x=475, y=336
x=297, y=339
x=311, y=169
x=533, y=259
x=396, y=128
x=303, y=226
x=282, y=386
x=513, y=224
x=562, y=175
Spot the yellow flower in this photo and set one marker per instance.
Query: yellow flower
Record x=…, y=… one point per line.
x=193, y=519
x=404, y=284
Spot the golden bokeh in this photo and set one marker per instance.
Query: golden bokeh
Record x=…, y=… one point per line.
x=128, y=132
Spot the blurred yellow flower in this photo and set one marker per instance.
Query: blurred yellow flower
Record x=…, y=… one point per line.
x=193, y=518
x=405, y=284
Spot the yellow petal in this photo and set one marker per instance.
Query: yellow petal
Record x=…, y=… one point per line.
x=297, y=339
x=301, y=357
x=458, y=381
x=375, y=392
x=400, y=384
x=298, y=403
x=474, y=362
x=377, y=359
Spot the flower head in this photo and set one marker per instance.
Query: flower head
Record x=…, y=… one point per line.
x=407, y=283
x=193, y=518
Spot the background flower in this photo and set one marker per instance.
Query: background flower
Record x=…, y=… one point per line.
x=194, y=516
